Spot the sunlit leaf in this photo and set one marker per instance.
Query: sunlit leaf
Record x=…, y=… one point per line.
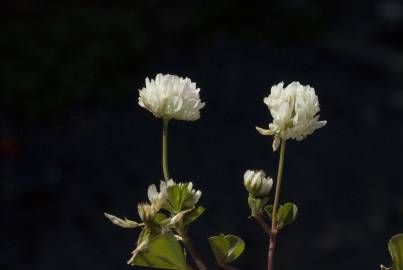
x=181, y=197
x=287, y=214
x=396, y=251
x=162, y=251
x=226, y=248
x=178, y=218
x=193, y=215
x=174, y=200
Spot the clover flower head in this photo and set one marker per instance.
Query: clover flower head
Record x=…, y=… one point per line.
x=294, y=110
x=193, y=196
x=157, y=199
x=146, y=212
x=257, y=184
x=171, y=97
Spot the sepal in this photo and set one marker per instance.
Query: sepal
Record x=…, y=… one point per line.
x=256, y=204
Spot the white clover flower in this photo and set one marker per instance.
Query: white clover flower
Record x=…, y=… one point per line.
x=172, y=97
x=256, y=183
x=192, y=197
x=294, y=110
x=157, y=199
x=166, y=184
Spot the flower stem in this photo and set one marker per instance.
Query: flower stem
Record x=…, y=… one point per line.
x=191, y=248
x=274, y=227
x=165, y=148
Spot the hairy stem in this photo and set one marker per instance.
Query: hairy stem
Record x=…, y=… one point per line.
x=191, y=249
x=274, y=227
x=165, y=149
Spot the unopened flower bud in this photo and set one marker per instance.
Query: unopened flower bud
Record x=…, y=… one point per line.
x=257, y=184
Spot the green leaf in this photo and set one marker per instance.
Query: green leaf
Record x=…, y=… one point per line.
x=124, y=223
x=174, y=200
x=178, y=218
x=193, y=215
x=162, y=251
x=396, y=251
x=256, y=204
x=226, y=248
x=160, y=218
x=181, y=197
x=287, y=214
x=269, y=210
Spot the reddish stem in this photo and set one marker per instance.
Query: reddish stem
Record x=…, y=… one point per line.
x=270, y=253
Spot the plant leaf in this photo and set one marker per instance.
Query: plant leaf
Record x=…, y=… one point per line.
x=160, y=218
x=395, y=246
x=178, y=218
x=287, y=214
x=181, y=197
x=237, y=247
x=124, y=223
x=174, y=200
x=162, y=251
x=193, y=215
x=226, y=248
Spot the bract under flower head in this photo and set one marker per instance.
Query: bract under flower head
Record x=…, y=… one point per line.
x=171, y=97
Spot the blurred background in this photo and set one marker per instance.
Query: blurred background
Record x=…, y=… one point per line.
x=74, y=142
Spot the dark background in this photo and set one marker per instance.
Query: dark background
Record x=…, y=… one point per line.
x=74, y=142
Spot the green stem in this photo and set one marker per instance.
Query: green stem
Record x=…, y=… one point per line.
x=278, y=186
x=165, y=149
x=191, y=248
x=273, y=236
